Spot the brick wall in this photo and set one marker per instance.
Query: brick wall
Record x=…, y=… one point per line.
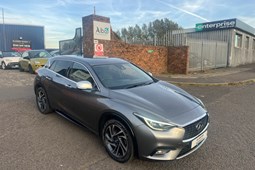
x=88, y=37
x=178, y=60
x=149, y=58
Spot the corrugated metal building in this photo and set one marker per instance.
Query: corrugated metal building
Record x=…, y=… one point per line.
x=224, y=43
x=21, y=36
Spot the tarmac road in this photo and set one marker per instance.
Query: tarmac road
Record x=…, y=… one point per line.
x=30, y=140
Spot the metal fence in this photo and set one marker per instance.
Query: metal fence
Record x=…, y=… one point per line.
x=207, y=49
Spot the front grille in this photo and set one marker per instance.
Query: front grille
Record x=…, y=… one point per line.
x=195, y=128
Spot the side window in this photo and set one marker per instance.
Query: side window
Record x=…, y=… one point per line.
x=25, y=54
x=52, y=66
x=61, y=67
x=79, y=73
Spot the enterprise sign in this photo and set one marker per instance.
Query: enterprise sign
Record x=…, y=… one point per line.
x=216, y=25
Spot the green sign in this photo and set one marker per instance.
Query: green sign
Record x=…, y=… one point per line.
x=150, y=51
x=216, y=25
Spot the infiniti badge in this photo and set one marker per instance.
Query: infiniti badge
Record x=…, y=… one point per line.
x=199, y=125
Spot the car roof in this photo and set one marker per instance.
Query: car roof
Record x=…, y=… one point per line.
x=90, y=61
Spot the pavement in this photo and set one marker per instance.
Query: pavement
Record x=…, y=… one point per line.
x=229, y=76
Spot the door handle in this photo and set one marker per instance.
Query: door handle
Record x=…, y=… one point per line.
x=49, y=78
x=68, y=85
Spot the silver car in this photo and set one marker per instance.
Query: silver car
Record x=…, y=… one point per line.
x=9, y=59
x=133, y=112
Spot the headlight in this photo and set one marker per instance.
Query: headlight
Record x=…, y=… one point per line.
x=154, y=124
x=8, y=60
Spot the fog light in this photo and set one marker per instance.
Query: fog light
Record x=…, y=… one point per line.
x=162, y=151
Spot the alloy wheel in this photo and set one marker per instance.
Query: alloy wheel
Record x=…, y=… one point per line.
x=118, y=141
x=42, y=101
x=30, y=69
x=3, y=66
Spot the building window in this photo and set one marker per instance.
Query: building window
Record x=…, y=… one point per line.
x=238, y=40
x=247, y=42
x=253, y=44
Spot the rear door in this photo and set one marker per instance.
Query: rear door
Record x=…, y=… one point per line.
x=57, y=83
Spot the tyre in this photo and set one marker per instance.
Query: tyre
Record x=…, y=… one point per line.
x=117, y=141
x=20, y=68
x=30, y=69
x=42, y=101
x=3, y=65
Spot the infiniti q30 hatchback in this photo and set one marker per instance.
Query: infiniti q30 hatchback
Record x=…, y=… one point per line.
x=132, y=112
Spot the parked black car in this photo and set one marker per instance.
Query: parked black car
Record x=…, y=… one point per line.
x=133, y=112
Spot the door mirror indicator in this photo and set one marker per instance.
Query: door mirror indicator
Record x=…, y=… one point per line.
x=150, y=74
x=84, y=85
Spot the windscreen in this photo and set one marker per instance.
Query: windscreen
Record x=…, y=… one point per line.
x=121, y=75
x=11, y=54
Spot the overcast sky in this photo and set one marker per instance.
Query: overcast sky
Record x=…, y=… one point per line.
x=61, y=17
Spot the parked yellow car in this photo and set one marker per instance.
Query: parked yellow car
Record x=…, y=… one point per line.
x=31, y=60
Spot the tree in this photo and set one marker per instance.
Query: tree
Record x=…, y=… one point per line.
x=124, y=34
x=156, y=28
x=137, y=32
x=145, y=32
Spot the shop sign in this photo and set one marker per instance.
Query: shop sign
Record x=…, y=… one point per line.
x=216, y=25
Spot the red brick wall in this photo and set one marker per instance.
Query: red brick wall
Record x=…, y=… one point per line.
x=149, y=58
x=88, y=37
x=178, y=60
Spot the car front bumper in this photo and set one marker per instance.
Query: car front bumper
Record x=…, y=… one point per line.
x=12, y=65
x=168, y=145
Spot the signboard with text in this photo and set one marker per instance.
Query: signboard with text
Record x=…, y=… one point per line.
x=21, y=44
x=216, y=25
x=101, y=30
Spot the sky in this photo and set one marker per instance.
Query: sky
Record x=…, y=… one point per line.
x=61, y=17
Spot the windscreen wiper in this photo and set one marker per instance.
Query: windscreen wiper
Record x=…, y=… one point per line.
x=140, y=84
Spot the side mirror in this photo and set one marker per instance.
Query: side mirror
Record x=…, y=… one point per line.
x=27, y=58
x=84, y=85
x=150, y=74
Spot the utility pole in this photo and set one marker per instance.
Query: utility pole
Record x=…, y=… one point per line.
x=4, y=36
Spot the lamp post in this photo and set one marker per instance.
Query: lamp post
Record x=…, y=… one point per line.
x=4, y=36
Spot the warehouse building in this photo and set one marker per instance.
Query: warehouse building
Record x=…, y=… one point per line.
x=224, y=43
x=21, y=37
